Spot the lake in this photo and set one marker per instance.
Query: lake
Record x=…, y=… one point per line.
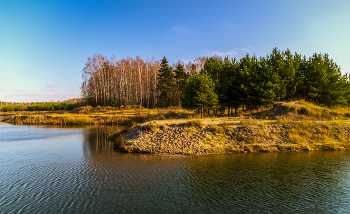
x=75, y=170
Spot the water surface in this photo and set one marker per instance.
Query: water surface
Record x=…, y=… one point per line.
x=75, y=170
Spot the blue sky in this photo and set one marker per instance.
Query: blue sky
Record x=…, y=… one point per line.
x=44, y=44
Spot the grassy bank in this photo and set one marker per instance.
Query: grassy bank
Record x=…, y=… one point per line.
x=293, y=126
x=195, y=137
x=94, y=116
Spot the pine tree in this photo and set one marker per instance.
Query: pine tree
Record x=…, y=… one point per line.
x=166, y=84
x=276, y=63
x=300, y=64
x=228, y=82
x=199, y=92
x=266, y=84
x=325, y=83
x=288, y=74
x=213, y=66
x=246, y=80
x=188, y=94
x=180, y=76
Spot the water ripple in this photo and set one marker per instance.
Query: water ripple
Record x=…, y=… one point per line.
x=74, y=171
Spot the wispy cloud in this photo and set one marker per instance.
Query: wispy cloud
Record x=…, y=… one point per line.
x=182, y=29
x=178, y=28
x=48, y=89
x=64, y=96
x=18, y=90
x=49, y=86
x=185, y=61
x=246, y=49
x=230, y=53
x=26, y=69
x=6, y=80
x=27, y=95
x=1, y=89
x=55, y=71
x=57, y=80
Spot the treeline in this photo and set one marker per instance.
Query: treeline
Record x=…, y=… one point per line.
x=45, y=106
x=252, y=82
x=112, y=82
x=215, y=83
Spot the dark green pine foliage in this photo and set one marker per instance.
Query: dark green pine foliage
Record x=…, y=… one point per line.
x=188, y=94
x=213, y=66
x=267, y=83
x=180, y=76
x=300, y=64
x=165, y=84
x=199, y=92
x=325, y=82
x=287, y=74
x=346, y=88
x=275, y=62
x=229, y=83
x=114, y=102
x=247, y=79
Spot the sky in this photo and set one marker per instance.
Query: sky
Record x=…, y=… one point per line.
x=44, y=45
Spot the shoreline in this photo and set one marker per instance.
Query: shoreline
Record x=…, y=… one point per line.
x=196, y=138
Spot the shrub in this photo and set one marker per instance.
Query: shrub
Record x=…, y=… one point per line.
x=150, y=127
x=119, y=141
x=114, y=102
x=195, y=123
x=170, y=114
x=123, y=149
x=217, y=129
x=279, y=147
x=91, y=101
x=8, y=108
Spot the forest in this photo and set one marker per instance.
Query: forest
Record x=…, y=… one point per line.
x=214, y=83
x=126, y=81
x=42, y=106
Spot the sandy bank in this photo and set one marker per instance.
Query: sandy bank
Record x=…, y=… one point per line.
x=221, y=135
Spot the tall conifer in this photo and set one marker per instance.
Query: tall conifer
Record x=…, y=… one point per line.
x=165, y=84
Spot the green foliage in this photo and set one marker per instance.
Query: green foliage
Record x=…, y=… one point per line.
x=91, y=101
x=280, y=76
x=165, y=84
x=8, y=108
x=188, y=94
x=180, y=76
x=199, y=92
x=49, y=106
x=52, y=106
x=114, y=102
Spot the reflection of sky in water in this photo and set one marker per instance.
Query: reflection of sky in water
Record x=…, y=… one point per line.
x=12, y=133
x=76, y=171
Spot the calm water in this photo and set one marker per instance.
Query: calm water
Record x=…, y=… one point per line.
x=74, y=170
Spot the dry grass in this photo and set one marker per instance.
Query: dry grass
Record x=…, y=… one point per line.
x=313, y=133
x=152, y=127
x=194, y=123
x=99, y=115
x=249, y=121
x=302, y=109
